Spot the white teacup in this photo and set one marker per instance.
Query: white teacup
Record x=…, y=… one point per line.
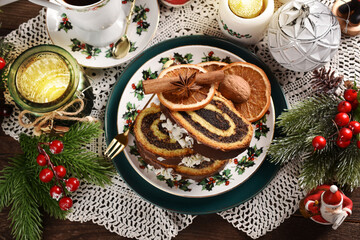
x=97, y=24
x=244, y=30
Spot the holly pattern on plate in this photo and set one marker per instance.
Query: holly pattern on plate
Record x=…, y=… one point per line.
x=261, y=129
x=65, y=24
x=138, y=87
x=130, y=115
x=177, y=59
x=132, y=47
x=233, y=33
x=218, y=179
x=182, y=184
x=248, y=160
x=84, y=48
x=210, y=56
x=140, y=19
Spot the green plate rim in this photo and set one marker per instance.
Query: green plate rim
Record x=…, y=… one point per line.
x=221, y=202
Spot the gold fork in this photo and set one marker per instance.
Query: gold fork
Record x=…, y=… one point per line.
x=120, y=141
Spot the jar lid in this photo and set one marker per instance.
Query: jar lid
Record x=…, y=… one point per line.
x=305, y=19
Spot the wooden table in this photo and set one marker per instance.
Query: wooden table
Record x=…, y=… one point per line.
x=204, y=226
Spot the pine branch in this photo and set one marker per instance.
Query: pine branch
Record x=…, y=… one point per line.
x=307, y=115
x=86, y=165
x=348, y=167
x=24, y=212
x=82, y=133
x=283, y=150
x=21, y=187
x=318, y=168
x=300, y=125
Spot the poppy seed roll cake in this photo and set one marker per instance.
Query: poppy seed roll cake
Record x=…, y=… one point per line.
x=219, y=130
x=157, y=148
x=153, y=139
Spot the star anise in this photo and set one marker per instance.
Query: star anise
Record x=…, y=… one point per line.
x=325, y=81
x=185, y=85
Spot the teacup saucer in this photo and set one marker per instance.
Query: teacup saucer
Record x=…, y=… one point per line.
x=141, y=30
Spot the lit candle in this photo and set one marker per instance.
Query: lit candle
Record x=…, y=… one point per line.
x=245, y=20
x=43, y=78
x=246, y=8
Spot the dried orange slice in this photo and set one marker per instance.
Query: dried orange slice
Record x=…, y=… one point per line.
x=212, y=65
x=259, y=101
x=192, y=98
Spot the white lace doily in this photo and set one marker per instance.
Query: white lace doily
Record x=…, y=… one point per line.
x=121, y=210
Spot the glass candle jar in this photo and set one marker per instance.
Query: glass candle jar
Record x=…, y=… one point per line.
x=44, y=78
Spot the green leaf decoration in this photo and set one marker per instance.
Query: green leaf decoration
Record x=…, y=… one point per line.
x=218, y=179
x=65, y=24
x=130, y=115
x=21, y=188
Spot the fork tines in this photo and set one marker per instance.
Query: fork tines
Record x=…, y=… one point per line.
x=114, y=148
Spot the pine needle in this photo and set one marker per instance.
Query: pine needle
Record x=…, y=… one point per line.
x=21, y=187
x=298, y=126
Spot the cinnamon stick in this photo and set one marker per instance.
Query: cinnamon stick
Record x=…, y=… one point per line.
x=165, y=84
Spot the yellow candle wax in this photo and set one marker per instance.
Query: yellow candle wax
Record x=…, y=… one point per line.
x=44, y=78
x=246, y=8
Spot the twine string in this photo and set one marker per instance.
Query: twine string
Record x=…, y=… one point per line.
x=48, y=118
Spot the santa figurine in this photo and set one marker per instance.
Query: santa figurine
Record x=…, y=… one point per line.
x=327, y=205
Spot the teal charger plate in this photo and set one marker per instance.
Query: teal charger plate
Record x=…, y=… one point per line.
x=232, y=198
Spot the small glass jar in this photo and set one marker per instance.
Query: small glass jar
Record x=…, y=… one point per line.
x=74, y=75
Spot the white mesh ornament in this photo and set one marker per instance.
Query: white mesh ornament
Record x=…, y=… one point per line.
x=303, y=35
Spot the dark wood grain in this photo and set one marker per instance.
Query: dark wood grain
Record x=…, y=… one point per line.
x=204, y=227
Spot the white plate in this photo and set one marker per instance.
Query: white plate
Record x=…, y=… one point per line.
x=236, y=171
x=139, y=34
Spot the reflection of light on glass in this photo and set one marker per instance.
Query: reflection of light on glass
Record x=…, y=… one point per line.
x=247, y=8
x=43, y=78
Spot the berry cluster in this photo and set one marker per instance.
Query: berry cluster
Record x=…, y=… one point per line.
x=348, y=128
x=47, y=174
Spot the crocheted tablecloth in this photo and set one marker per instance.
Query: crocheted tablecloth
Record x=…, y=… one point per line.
x=120, y=209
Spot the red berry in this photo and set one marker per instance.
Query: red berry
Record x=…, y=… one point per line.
x=72, y=184
x=342, y=119
x=46, y=175
x=2, y=63
x=60, y=171
x=358, y=143
x=41, y=160
x=344, y=106
x=345, y=134
x=65, y=203
x=319, y=142
x=355, y=127
x=56, y=147
x=55, y=192
x=342, y=144
x=350, y=95
x=354, y=104
x=227, y=183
